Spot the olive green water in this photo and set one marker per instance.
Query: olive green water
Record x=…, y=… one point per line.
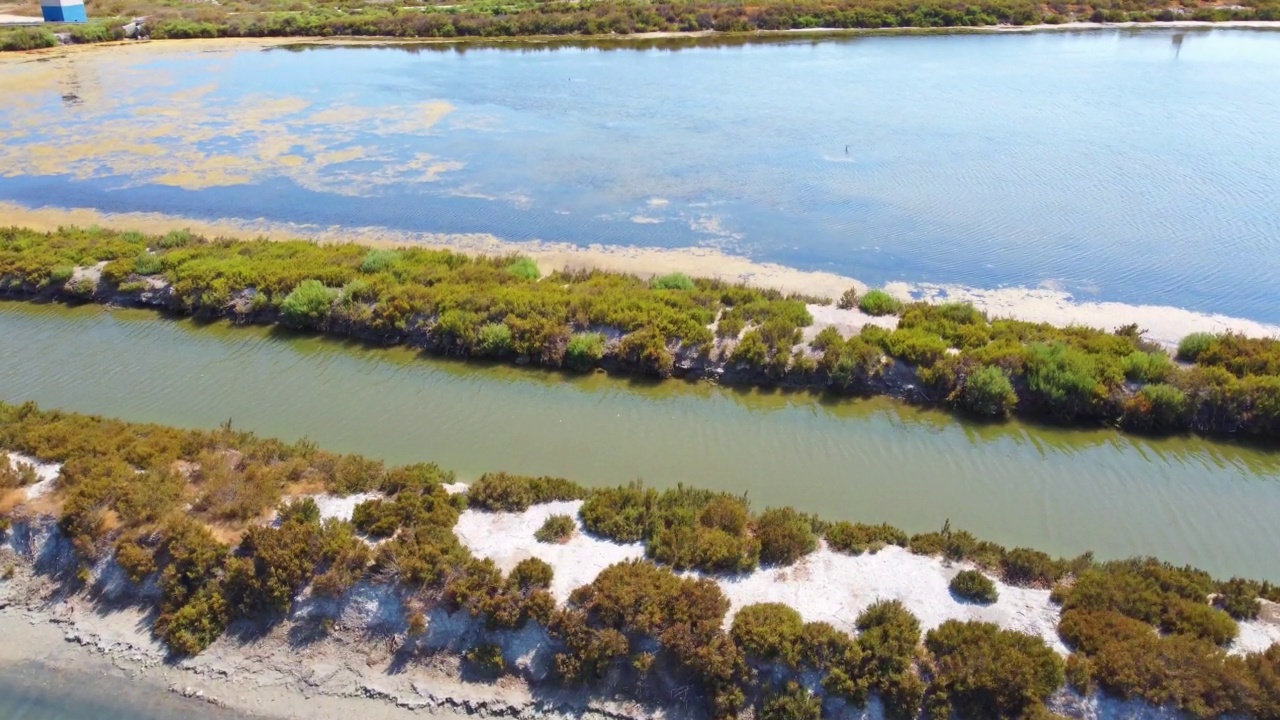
x=1212, y=504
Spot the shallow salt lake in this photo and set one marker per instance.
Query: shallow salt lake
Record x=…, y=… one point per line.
x=1136, y=166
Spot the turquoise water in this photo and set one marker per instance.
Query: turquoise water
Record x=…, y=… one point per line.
x=1212, y=504
x=1133, y=166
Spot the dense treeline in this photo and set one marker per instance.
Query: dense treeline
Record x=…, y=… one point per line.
x=149, y=495
x=624, y=17
x=504, y=308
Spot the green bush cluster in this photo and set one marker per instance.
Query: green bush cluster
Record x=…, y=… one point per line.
x=499, y=308
x=1128, y=658
x=973, y=586
x=635, y=601
x=1174, y=598
x=849, y=365
x=16, y=474
x=988, y=392
x=879, y=302
x=769, y=632
x=504, y=492
x=557, y=528
x=981, y=671
x=585, y=350
x=681, y=527
x=466, y=305
x=1140, y=628
x=857, y=538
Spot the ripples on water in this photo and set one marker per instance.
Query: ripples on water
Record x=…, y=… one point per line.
x=1142, y=167
x=1066, y=491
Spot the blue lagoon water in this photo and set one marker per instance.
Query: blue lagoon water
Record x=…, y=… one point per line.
x=1133, y=166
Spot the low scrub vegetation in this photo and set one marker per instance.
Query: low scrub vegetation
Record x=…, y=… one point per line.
x=973, y=586
x=504, y=308
x=556, y=529
x=148, y=495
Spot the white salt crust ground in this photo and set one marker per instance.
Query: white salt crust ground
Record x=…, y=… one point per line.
x=824, y=586
x=48, y=473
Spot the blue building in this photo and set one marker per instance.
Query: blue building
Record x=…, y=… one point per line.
x=71, y=11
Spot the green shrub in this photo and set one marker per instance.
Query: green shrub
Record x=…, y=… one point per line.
x=487, y=658
x=1147, y=367
x=795, y=702
x=376, y=261
x=494, y=340
x=308, y=305
x=888, y=634
x=1238, y=597
x=857, y=538
x=137, y=561
x=27, y=39
x=988, y=392
x=531, y=574
x=504, y=492
x=61, y=274
x=785, y=536
x=524, y=268
x=984, y=671
x=1198, y=619
x=1191, y=346
x=848, y=299
x=148, y=264
x=1024, y=566
x=1157, y=407
x=621, y=513
x=769, y=632
x=1064, y=380
x=1079, y=673
x=730, y=325
x=584, y=351
x=973, y=586
x=879, y=302
x=556, y=529
x=916, y=346
x=673, y=281
x=174, y=239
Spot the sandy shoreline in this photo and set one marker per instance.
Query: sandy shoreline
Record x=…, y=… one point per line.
x=1163, y=324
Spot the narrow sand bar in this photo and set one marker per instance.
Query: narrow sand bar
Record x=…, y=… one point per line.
x=1163, y=324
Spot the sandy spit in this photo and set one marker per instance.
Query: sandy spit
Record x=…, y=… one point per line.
x=1164, y=324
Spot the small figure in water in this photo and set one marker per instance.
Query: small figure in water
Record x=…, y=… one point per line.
x=846, y=149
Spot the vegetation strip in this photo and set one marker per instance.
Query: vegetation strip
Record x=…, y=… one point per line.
x=481, y=18
x=504, y=308
x=150, y=497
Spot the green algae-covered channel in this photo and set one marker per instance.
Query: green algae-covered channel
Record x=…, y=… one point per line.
x=1212, y=504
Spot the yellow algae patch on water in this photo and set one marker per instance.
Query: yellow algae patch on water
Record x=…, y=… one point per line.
x=345, y=155
x=94, y=115
x=434, y=111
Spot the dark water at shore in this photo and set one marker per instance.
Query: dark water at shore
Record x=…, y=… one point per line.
x=1212, y=504
x=1134, y=166
x=34, y=691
